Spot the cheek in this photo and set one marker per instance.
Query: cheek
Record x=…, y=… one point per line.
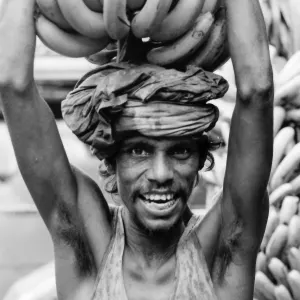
x=190, y=167
x=188, y=171
x=128, y=174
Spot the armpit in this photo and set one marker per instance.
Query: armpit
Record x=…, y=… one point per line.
x=229, y=246
x=69, y=231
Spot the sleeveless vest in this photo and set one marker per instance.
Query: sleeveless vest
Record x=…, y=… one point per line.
x=193, y=281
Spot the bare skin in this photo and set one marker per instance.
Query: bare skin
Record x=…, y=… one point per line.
x=74, y=209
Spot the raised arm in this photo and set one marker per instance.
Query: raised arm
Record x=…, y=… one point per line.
x=38, y=147
x=244, y=206
x=70, y=203
x=37, y=144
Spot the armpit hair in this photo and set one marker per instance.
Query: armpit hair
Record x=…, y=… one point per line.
x=70, y=231
x=227, y=248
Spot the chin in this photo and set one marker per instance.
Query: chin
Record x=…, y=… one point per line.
x=154, y=219
x=159, y=226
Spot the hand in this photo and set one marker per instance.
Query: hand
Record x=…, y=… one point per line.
x=17, y=40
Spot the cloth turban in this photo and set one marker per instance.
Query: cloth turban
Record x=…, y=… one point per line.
x=118, y=98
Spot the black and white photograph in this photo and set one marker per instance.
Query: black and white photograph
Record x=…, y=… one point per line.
x=149, y=149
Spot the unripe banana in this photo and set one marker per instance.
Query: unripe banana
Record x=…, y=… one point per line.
x=288, y=209
x=289, y=147
x=150, y=17
x=282, y=293
x=51, y=11
x=184, y=46
x=295, y=183
x=115, y=19
x=293, y=239
x=68, y=44
x=294, y=282
x=263, y=288
x=289, y=71
x=280, y=193
x=286, y=168
x=95, y=5
x=214, y=45
x=272, y=223
x=261, y=262
x=85, y=21
x=279, y=117
x=294, y=258
x=112, y=46
x=219, y=59
x=103, y=57
x=135, y=4
x=277, y=241
x=293, y=115
x=278, y=270
x=178, y=21
x=210, y=5
x=283, y=137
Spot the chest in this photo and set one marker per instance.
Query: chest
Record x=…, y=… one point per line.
x=143, y=283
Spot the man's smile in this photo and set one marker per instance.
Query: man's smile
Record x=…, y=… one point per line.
x=159, y=203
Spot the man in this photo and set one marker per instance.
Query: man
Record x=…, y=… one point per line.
x=152, y=247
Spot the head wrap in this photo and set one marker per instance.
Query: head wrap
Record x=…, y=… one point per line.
x=118, y=98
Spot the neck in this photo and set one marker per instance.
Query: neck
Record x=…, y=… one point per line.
x=154, y=248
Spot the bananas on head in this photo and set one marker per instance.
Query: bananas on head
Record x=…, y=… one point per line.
x=175, y=32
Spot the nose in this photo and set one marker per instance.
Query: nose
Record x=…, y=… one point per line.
x=161, y=170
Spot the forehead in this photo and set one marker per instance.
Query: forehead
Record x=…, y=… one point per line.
x=161, y=142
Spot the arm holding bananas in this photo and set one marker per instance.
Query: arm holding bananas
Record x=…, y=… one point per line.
x=42, y=160
x=244, y=205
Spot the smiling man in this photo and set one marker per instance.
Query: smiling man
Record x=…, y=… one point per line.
x=148, y=126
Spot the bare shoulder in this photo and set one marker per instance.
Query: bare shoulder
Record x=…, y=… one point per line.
x=81, y=233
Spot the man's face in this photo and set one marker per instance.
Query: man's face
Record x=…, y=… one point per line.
x=155, y=178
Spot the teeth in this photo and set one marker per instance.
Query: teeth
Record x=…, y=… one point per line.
x=156, y=197
x=160, y=206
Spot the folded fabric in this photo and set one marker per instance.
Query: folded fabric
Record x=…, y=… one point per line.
x=119, y=98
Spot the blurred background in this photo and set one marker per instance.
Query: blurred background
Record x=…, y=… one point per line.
x=26, y=254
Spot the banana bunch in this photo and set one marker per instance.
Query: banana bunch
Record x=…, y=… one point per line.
x=179, y=32
x=278, y=262
x=282, y=20
x=191, y=35
x=83, y=28
x=71, y=28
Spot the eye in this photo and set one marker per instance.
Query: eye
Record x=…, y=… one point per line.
x=181, y=152
x=138, y=151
